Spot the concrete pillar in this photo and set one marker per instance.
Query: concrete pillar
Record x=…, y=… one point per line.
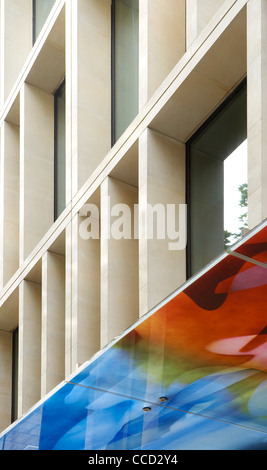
x=2, y=53
x=1, y=206
x=91, y=87
x=71, y=164
x=5, y=378
x=53, y=321
x=161, y=42
x=36, y=167
x=68, y=301
x=161, y=181
x=257, y=110
x=119, y=259
x=29, y=381
x=9, y=201
x=2, y=192
x=85, y=294
x=198, y=15
x=17, y=38
x=70, y=88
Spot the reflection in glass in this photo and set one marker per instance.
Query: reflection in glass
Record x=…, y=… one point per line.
x=218, y=181
x=125, y=40
x=41, y=10
x=60, y=160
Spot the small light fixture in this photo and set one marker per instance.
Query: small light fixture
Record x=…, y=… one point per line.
x=162, y=399
x=146, y=408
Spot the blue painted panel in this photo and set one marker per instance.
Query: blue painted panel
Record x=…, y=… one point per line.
x=79, y=418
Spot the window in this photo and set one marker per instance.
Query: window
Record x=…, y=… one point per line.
x=41, y=10
x=217, y=182
x=14, y=397
x=60, y=160
x=125, y=31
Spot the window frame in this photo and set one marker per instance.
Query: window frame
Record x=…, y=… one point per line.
x=114, y=121
x=113, y=102
x=208, y=121
x=56, y=94
x=34, y=10
x=33, y=22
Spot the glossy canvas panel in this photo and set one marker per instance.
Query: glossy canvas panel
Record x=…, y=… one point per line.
x=199, y=362
x=255, y=247
x=205, y=350
x=80, y=418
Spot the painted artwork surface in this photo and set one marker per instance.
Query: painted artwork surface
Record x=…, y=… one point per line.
x=192, y=375
x=255, y=247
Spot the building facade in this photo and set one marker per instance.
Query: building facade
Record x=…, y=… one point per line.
x=156, y=103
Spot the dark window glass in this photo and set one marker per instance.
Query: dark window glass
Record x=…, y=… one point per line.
x=217, y=182
x=125, y=32
x=14, y=399
x=60, y=160
x=41, y=10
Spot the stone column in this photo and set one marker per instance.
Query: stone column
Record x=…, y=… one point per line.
x=68, y=301
x=257, y=110
x=53, y=321
x=9, y=201
x=29, y=380
x=198, y=15
x=5, y=377
x=18, y=39
x=36, y=167
x=85, y=292
x=91, y=87
x=161, y=42
x=161, y=183
x=119, y=259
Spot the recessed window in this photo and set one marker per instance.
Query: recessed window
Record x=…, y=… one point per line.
x=41, y=10
x=217, y=182
x=14, y=395
x=60, y=159
x=125, y=54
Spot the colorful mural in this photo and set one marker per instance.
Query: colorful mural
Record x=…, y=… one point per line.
x=191, y=375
